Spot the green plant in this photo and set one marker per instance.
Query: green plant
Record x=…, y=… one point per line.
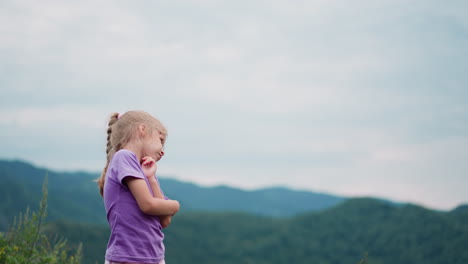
x=24, y=243
x=364, y=259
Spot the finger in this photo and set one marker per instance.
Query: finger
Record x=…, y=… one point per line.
x=149, y=162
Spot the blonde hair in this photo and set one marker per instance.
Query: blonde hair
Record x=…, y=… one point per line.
x=121, y=130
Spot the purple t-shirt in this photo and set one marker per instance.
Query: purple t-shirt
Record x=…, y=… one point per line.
x=135, y=236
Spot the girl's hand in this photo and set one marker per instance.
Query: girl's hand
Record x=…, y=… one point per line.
x=165, y=220
x=149, y=166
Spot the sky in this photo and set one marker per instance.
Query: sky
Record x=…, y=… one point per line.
x=351, y=98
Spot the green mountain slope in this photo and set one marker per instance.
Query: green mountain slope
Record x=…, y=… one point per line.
x=406, y=235
x=339, y=234
x=71, y=195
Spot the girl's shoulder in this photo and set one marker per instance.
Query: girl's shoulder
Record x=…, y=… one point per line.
x=125, y=160
x=124, y=154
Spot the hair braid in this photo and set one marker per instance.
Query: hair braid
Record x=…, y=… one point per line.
x=109, y=151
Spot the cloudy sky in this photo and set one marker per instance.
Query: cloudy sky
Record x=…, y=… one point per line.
x=350, y=98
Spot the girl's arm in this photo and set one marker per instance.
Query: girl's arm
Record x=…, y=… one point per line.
x=149, y=167
x=155, y=187
x=165, y=220
x=146, y=202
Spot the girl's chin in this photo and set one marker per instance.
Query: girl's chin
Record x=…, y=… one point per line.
x=155, y=157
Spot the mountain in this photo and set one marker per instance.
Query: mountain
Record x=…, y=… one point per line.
x=75, y=195
x=406, y=234
x=243, y=233
x=275, y=201
x=461, y=208
x=71, y=195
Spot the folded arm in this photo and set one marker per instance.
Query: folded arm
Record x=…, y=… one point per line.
x=164, y=219
x=149, y=204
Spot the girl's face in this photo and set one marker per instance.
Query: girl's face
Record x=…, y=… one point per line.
x=153, y=145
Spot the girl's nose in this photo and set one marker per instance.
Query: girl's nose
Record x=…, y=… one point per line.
x=162, y=153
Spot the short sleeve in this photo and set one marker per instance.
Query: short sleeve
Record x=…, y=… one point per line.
x=126, y=165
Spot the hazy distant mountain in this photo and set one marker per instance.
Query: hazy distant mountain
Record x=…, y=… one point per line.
x=278, y=202
x=76, y=195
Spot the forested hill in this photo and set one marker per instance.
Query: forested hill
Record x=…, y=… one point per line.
x=75, y=195
x=339, y=233
x=406, y=234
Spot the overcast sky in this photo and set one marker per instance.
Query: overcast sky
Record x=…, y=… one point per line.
x=352, y=98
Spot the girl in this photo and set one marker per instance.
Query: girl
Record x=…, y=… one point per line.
x=136, y=208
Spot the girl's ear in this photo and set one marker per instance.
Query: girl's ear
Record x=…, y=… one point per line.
x=142, y=130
